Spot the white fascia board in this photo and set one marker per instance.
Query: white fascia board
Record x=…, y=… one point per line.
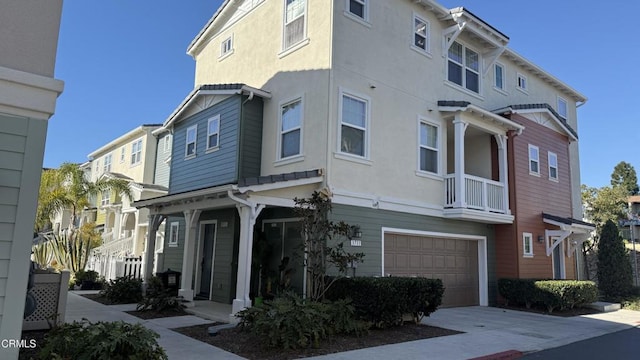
x=504, y=122
x=555, y=119
x=278, y=185
x=182, y=196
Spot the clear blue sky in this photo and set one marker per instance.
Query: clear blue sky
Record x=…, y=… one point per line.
x=124, y=63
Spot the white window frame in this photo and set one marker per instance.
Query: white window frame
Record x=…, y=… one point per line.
x=532, y=160
x=424, y=121
x=522, y=83
x=464, y=66
x=427, y=41
x=226, y=47
x=561, y=112
x=211, y=146
x=193, y=128
x=365, y=10
x=553, y=158
x=367, y=101
x=122, y=154
x=136, y=152
x=500, y=88
x=105, y=197
x=167, y=143
x=282, y=132
x=106, y=167
x=527, y=238
x=174, y=229
x=286, y=48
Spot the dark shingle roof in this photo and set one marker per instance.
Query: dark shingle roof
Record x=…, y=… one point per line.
x=565, y=220
x=270, y=179
x=235, y=86
x=453, y=103
x=562, y=120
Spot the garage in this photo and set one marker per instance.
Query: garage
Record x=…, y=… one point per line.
x=454, y=259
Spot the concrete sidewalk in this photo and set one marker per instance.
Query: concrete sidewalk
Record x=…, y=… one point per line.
x=486, y=330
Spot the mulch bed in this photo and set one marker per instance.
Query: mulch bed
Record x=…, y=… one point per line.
x=27, y=353
x=564, y=313
x=101, y=299
x=149, y=314
x=244, y=344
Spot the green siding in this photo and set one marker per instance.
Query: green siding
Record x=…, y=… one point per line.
x=173, y=255
x=250, y=139
x=371, y=222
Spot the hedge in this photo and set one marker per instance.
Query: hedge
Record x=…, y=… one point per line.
x=551, y=294
x=384, y=301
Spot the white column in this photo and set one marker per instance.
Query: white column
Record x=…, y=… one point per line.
x=503, y=168
x=117, y=223
x=460, y=187
x=150, y=245
x=248, y=215
x=191, y=218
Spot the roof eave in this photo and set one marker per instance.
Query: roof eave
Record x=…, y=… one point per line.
x=138, y=130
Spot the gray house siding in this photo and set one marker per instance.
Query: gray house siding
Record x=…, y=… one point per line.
x=250, y=139
x=162, y=168
x=371, y=222
x=211, y=168
x=225, y=259
x=173, y=255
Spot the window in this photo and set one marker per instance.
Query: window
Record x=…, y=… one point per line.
x=97, y=166
x=107, y=163
x=562, y=107
x=522, y=82
x=464, y=67
x=353, y=129
x=213, y=132
x=428, y=147
x=294, y=22
x=498, y=75
x=190, y=147
x=105, y=198
x=527, y=244
x=136, y=151
x=291, y=129
x=122, y=155
x=358, y=8
x=226, y=47
x=167, y=143
x=553, y=166
x=173, y=234
x=534, y=160
x=420, y=33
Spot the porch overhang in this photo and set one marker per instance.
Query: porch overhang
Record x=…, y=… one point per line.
x=480, y=216
x=577, y=230
x=479, y=114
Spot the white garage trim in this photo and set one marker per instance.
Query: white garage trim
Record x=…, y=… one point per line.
x=483, y=279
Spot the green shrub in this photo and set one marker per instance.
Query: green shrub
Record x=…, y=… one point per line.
x=384, y=301
x=101, y=340
x=158, y=298
x=290, y=322
x=123, y=290
x=615, y=276
x=518, y=292
x=550, y=294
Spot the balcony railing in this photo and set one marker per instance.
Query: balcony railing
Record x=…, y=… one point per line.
x=478, y=193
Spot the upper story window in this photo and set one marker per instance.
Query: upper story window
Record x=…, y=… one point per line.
x=226, y=47
x=553, y=166
x=358, y=8
x=173, y=234
x=136, y=152
x=464, y=67
x=527, y=244
x=167, y=143
x=190, y=144
x=122, y=155
x=429, y=147
x=562, y=107
x=534, y=160
x=107, y=163
x=522, y=82
x=421, y=34
x=105, y=198
x=354, y=119
x=213, y=132
x=498, y=76
x=291, y=129
x=294, y=22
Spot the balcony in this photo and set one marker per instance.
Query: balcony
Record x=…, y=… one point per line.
x=480, y=194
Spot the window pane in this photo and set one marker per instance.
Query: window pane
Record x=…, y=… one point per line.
x=473, y=81
x=291, y=115
x=534, y=166
x=213, y=140
x=191, y=148
x=354, y=111
x=214, y=126
x=191, y=135
x=357, y=8
x=295, y=8
x=471, y=59
x=455, y=73
x=294, y=32
x=428, y=135
x=420, y=38
x=352, y=141
x=553, y=173
x=498, y=74
x=428, y=160
x=290, y=144
x=533, y=153
x=455, y=52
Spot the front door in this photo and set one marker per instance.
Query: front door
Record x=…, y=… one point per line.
x=206, y=262
x=287, y=260
x=558, y=262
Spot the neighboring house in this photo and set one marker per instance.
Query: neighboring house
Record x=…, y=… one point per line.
x=404, y=112
x=28, y=93
x=131, y=157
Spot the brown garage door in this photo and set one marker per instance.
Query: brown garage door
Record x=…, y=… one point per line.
x=455, y=261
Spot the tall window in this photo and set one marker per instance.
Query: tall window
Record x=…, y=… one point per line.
x=464, y=67
x=136, y=152
x=122, y=157
x=173, y=234
x=105, y=198
x=107, y=163
x=291, y=129
x=353, y=129
x=294, y=22
x=527, y=244
x=553, y=166
x=190, y=146
x=522, y=82
x=562, y=107
x=213, y=132
x=498, y=75
x=358, y=8
x=428, y=147
x=534, y=160
x=420, y=33
x=167, y=143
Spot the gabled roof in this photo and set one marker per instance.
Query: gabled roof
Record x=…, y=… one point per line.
x=537, y=108
x=566, y=220
x=139, y=131
x=465, y=106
